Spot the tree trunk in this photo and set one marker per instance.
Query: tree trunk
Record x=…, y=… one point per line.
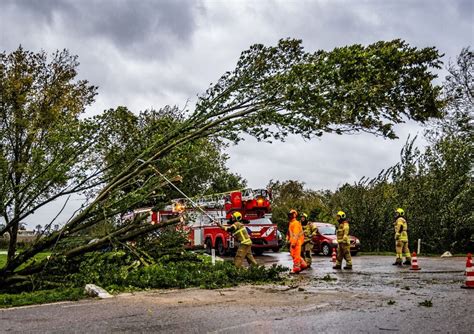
x=12, y=243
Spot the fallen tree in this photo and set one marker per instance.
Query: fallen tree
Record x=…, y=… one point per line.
x=273, y=92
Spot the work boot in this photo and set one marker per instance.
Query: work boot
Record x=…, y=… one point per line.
x=296, y=270
x=337, y=266
x=304, y=266
x=407, y=262
x=397, y=263
x=348, y=267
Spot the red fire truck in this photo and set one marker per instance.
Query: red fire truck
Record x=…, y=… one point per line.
x=253, y=204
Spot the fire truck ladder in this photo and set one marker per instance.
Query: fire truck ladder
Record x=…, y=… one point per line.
x=175, y=187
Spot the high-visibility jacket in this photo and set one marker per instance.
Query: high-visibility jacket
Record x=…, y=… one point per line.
x=342, y=233
x=295, y=232
x=239, y=231
x=310, y=230
x=401, y=229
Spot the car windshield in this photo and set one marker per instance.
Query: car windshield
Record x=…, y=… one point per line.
x=327, y=230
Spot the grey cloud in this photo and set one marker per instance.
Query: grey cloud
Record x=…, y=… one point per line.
x=465, y=9
x=145, y=21
x=423, y=23
x=141, y=28
x=41, y=11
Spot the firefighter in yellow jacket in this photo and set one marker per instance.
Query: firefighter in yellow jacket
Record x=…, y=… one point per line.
x=310, y=230
x=239, y=232
x=343, y=242
x=401, y=238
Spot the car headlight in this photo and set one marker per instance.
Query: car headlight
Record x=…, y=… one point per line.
x=334, y=242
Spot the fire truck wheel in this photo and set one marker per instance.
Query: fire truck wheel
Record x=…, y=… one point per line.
x=220, y=247
x=208, y=244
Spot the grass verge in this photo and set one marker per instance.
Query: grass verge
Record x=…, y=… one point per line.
x=40, y=297
x=38, y=257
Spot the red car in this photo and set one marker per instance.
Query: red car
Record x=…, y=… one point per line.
x=326, y=240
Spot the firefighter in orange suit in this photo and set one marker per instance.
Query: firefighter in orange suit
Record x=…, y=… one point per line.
x=239, y=231
x=343, y=242
x=295, y=238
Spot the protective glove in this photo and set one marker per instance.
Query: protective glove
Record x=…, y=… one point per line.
x=293, y=246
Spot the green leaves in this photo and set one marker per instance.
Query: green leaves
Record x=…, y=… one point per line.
x=426, y=303
x=281, y=90
x=124, y=137
x=116, y=270
x=44, y=145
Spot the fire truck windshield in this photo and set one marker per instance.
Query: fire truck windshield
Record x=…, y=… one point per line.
x=261, y=221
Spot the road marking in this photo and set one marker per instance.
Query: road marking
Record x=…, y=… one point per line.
x=312, y=308
x=79, y=304
x=31, y=306
x=247, y=324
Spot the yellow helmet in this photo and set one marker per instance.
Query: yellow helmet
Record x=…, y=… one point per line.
x=237, y=215
x=341, y=214
x=400, y=212
x=304, y=215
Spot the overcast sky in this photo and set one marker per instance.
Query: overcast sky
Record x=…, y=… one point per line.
x=147, y=54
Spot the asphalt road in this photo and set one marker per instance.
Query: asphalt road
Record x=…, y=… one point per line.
x=375, y=297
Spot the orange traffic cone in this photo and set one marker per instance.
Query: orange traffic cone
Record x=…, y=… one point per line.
x=469, y=273
x=414, y=262
x=333, y=257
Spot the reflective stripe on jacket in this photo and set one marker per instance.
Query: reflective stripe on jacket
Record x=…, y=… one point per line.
x=342, y=233
x=310, y=230
x=241, y=234
x=401, y=229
